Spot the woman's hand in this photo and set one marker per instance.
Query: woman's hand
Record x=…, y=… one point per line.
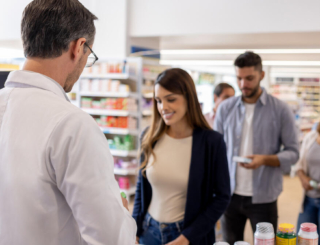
x=181, y=240
x=125, y=202
x=305, y=180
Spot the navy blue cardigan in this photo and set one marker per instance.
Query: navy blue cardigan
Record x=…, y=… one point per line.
x=208, y=192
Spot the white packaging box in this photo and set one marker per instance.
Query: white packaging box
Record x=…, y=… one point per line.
x=115, y=86
x=85, y=85
x=95, y=85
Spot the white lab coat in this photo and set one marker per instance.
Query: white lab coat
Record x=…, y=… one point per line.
x=57, y=185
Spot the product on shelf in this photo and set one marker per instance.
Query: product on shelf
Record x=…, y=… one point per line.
x=124, y=183
x=125, y=143
x=103, y=85
x=308, y=80
x=108, y=67
x=286, y=235
x=117, y=122
x=121, y=164
x=264, y=234
x=308, y=234
x=86, y=102
x=72, y=96
x=110, y=103
x=147, y=103
x=151, y=71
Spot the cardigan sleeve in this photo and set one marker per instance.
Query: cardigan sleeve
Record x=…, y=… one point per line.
x=137, y=208
x=206, y=220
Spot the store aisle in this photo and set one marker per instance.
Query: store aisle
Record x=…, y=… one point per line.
x=288, y=204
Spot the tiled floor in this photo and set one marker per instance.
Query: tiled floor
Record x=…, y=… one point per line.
x=288, y=204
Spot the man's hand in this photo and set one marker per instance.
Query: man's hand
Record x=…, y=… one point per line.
x=305, y=181
x=257, y=161
x=137, y=240
x=125, y=203
x=181, y=240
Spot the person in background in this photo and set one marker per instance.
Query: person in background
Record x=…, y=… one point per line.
x=57, y=183
x=183, y=186
x=221, y=92
x=255, y=125
x=308, y=168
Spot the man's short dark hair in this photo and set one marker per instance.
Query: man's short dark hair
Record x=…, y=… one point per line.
x=218, y=90
x=49, y=26
x=249, y=59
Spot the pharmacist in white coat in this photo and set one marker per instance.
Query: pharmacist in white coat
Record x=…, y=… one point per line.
x=57, y=185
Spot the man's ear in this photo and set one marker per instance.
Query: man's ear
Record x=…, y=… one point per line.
x=262, y=75
x=77, y=49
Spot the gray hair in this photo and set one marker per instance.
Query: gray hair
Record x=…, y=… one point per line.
x=49, y=26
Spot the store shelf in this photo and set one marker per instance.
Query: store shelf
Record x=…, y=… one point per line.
x=122, y=131
x=119, y=76
x=120, y=171
x=148, y=95
x=109, y=94
x=102, y=112
x=130, y=191
x=146, y=112
x=121, y=153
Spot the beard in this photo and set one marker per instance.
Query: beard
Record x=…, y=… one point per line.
x=253, y=93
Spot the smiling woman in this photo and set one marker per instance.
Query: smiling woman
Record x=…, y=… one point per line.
x=176, y=109
x=182, y=160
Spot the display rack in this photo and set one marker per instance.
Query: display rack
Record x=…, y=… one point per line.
x=300, y=89
x=110, y=92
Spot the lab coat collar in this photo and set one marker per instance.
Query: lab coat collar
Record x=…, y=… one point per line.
x=33, y=79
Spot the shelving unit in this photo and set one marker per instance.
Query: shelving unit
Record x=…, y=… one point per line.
x=99, y=93
x=120, y=171
x=123, y=153
x=117, y=113
x=120, y=131
x=119, y=76
x=301, y=91
x=109, y=94
x=108, y=83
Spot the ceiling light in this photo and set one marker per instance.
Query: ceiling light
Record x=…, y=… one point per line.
x=230, y=63
x=237, y=51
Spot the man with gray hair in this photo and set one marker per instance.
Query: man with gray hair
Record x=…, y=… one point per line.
x=57, y=184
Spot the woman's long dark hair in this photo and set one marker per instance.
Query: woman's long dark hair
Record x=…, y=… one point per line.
x=177, y=81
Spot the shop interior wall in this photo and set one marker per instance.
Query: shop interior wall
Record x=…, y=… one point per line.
x=189, y=17
x=112, y=32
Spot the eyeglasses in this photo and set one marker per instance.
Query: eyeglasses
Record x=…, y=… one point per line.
x=92, y=58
